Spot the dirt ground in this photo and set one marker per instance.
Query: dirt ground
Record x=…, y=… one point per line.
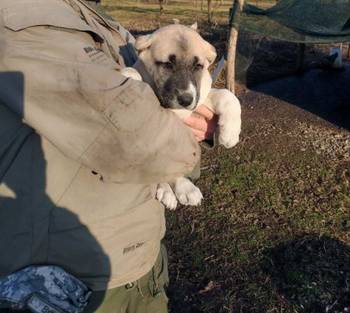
x=273, y=231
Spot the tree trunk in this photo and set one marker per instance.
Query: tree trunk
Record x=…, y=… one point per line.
x=235, y=14
x=210, y=11
x=161, y=8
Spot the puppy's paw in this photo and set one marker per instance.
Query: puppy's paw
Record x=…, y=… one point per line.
x=228, y=135
x=229, y=118
x=187, y=193
x=130, y=72
x=166, y=196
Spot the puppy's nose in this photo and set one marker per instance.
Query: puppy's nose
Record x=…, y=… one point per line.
x=185, y=99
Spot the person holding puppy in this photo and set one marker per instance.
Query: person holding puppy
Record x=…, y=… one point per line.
x=82, y=150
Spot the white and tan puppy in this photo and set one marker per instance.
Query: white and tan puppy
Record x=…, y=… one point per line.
x=174, y=61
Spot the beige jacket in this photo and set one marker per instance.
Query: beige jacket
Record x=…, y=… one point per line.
x=81, y=147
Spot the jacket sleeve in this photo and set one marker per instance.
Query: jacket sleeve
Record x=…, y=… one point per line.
x=110, y=124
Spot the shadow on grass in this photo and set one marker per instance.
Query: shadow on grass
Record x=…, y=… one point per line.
x=312, y=273
x=148, y=9
x=130, y=9
x=270, y=67
x=323, y=93
x=309, y=274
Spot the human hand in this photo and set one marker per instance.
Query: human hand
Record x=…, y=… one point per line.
x=202, y=122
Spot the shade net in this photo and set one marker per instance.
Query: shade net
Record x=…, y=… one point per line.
x=268, y=43
x=307, y=21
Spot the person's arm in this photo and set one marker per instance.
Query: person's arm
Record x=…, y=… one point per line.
x=111, y=124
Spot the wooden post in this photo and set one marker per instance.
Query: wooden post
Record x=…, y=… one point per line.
x=235, y=14
x=161, y=7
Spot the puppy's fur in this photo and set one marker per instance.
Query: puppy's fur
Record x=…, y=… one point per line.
x=174, y=61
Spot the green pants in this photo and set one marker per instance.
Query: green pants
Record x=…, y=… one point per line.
x=146, y=295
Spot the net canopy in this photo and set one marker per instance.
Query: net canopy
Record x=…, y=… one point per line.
x=303, y=21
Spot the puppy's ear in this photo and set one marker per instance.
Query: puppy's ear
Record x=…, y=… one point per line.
x=211, y=53
x=143, y=42
x=194, y=26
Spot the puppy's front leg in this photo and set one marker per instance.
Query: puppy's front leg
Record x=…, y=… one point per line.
x=226, y=105
x=182, y=189
x=186, y=192
x=166, y=196
x=130, y=72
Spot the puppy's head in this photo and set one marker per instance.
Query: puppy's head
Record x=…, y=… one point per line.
x=174, y=61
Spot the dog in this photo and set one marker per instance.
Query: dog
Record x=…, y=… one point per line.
x=174, y=61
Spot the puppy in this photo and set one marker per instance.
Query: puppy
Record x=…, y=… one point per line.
x=174, y=61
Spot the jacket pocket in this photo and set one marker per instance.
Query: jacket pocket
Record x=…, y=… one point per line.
x=25, y=14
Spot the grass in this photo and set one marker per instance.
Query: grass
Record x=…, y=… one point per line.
x=143, y=15
x=243, y=236
x=273, y=232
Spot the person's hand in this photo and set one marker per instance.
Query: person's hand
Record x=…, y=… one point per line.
x=203, y=123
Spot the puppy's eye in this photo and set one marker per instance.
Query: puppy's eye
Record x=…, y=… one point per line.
x=167, y=65
x=198, y=67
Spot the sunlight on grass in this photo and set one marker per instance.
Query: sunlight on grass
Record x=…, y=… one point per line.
x=142, y=14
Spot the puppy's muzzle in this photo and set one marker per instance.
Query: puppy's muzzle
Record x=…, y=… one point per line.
x=185, y=99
